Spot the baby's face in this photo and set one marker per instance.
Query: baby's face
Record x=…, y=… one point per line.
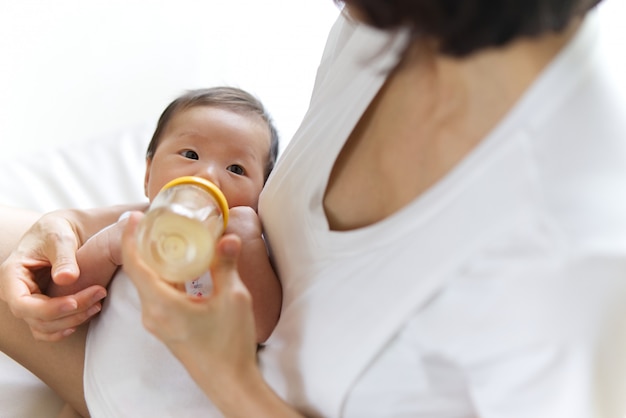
x=222, y=146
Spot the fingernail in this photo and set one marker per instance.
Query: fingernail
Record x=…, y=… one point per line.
x=64, y=271
x=99, y=295
x=68, y=332
x=94, y=310
x=69, y=307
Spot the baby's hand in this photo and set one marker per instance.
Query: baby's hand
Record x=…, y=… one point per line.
x=244, y=222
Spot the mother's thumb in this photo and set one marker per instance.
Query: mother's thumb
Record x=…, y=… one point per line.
x=224, y=267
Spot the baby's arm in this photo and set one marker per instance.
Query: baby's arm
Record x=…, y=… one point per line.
x=98, y=259
x=256, y=271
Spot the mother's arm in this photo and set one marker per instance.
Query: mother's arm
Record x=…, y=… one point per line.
x=59, y=365
x=32, y=250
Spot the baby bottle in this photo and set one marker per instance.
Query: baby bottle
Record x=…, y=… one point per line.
x=178, y=233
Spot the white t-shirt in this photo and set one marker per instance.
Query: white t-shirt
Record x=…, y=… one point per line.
x=499, y=292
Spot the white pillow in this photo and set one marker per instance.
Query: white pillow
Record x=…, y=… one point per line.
x=104, y=171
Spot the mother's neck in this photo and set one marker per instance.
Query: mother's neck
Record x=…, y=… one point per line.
x=478, y=90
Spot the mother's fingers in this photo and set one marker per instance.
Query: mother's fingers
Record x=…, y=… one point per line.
x=60, y=328
x=144, y=278
x=230, y=291
x=51, y=319
x=167, y=311
x=224, y=266
x=162, y=305
x=53, y=240
x=213, y=333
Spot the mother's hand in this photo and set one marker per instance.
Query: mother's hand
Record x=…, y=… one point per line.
x=48, y=250
x=214, y=337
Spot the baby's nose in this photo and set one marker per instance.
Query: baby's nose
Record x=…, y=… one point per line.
x=210, y=173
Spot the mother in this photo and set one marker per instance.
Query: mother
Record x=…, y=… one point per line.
x=449, y=225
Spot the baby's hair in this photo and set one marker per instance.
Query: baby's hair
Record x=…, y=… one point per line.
x=230, y=98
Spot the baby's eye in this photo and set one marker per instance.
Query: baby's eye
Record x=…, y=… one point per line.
x=237, y=169
x=190, y=154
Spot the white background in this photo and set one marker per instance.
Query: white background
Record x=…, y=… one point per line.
x=71, y=70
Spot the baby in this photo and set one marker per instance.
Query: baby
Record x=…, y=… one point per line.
x=224, y=135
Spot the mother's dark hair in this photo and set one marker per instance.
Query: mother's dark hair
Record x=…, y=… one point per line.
x=461, y=27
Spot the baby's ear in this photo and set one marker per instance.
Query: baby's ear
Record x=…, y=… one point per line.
x=146, y=179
